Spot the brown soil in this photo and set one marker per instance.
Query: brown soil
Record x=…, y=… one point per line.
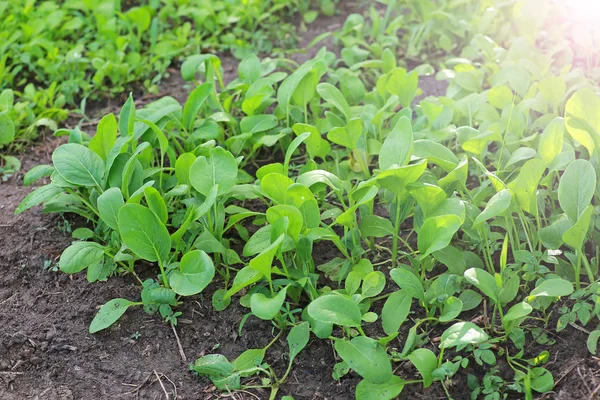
x=46, y=351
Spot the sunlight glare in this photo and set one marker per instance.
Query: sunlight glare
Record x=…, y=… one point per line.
x=585, y=9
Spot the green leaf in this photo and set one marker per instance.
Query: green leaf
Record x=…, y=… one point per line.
x=335, y=309
x=213, y=365
x=127, y=117
x=398, y=146
x=395, y=311
x=156, y=203
x=592, y=341
x=78, y=165
x=275, y=186
x=389, y=390
x=556, y=287
x=298, y=339
x=435, y=153
x=36, y=173
x=7, y=129
x=582, y=117
x=551, y=140
x=264, y=261
x=518, y=311
x=144, y=233
x=250, y=358
x=576, y=188
x=461, y=334
x=526, y=185
x=497, y=205
x=105, y=137
x=575, y=236
x=332, y=95
x=426, y=362
x=38, y=196
x=366, y=357
x=220, y=168
x=373, y=284
x=541, y=380
x=193, y=104
x=376, y=226
x=408, y=282
x=483, y=281
x=347, y=136
x=267, y=308
x=109, y=313
x=436, y=233
x=79, y=256
x=451, y=309
x=196, y=271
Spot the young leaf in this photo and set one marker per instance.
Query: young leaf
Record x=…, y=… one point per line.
x=592, y=341
x=451, y=309
x=36, y=173
x=335, y=309
x=78, y=165
x=497, y=205
x=196, y=271
x=298, y=339
x=426, y=362
x=408, y=282
x=38, y=196
x=264, y=261
x=193, y=104
x=397, y=147
x=551, y=140
x=436, y=233
x=144, y=233
x=576, y=188
x=463, y=333
x=156, y=203
x=575, y=235
x=109, y=313
x=484, y=281
x=582, y=117
x=267, y=308
x=109, y=204
x=7, y=129
x=556, y=287
x=79, y=256
x=332, y=95
x=105, y=137
x=366, y=357
x=518, y=311
x=389, y=390
x=395, y=311
x=220, y=168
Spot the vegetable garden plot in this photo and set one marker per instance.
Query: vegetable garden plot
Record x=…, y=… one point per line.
x=462, y=227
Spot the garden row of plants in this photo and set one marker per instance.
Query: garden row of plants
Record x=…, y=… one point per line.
x=55, y=55
x=463, y=224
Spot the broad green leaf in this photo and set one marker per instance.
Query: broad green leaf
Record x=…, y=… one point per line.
x=403, y=84
x=426, y=362
x=376, y=226
x=408, y=282
x=551, y=140
x=264, y=261
x=193, y=104
x=109, y=313
x=213, y=365
x=518, y=311
x=250, y=358
x=315, y=144
x=582, y=117
x=436, y=233
x=182, y=167
x=78, y=165
x=7, y=129
x=526, y=185
x=556, y=287
x=575, y=236
x=397, y=178
x=497, y=205
x=36, y=173
x=267, y=308
x=109, y=204
x=196, y=271
x=143, y=233
x=541, y=380
x=398, y=145
x=298, y=338
x=332, y=95
x=275, y=186
x=389, y=390
x=483, y=281
x=592, y=341
x=395, y=311
x=500, y=96
x=553, y=90
x=38, y=196
x=576, y=188
x=435, y=153
x=461, y=334
x=551, y=236
x=451, y=309
x=470, y=299
x=220, y=168
x=105, y=137
x=373, y=284
x=79, y=256
x=335, y=309
x=347, y=136
x=127, y=117
x=156, y=203
x=366, y=357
